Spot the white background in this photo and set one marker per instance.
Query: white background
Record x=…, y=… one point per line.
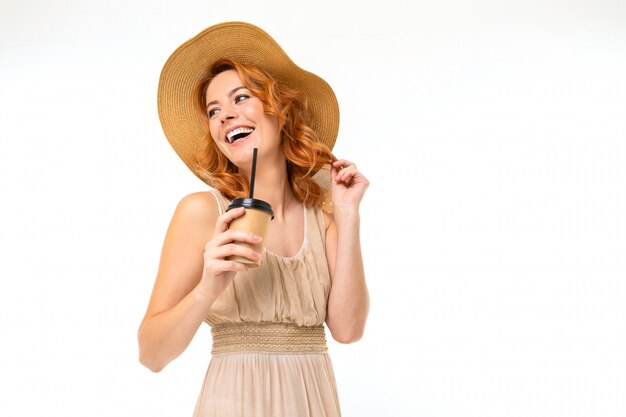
x=494, y=137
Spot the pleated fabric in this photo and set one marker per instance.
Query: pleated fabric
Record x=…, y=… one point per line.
x=289, y=290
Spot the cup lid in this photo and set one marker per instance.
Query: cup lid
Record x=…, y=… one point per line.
x=253, y=203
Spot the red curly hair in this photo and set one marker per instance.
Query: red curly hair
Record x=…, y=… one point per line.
x=303, y=150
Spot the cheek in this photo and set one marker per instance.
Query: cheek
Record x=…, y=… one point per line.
x=214, y=131
x=252, y=112
x=273, y=122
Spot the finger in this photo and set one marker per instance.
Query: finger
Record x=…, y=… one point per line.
x=342, y=163
x=232, y=235
x=346, y=173
x=224, y=220
x=347, y=181
x=234, y=266
x=336, y=169
x=233, y=249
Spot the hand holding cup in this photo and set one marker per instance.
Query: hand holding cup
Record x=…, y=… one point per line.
x=218, y=270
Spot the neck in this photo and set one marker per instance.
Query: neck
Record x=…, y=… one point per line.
x=272, y=185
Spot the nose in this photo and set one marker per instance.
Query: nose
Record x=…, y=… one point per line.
x=227, y=113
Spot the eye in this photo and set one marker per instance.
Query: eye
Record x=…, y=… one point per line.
x=240, y=97
x=212, y=112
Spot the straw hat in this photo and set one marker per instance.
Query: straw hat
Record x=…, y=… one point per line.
x=190, y=64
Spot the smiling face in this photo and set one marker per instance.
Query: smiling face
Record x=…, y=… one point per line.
x=237, y=120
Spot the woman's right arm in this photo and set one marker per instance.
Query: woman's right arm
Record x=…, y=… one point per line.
x=192, y=274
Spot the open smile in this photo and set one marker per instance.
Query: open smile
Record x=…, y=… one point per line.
x=238, y=134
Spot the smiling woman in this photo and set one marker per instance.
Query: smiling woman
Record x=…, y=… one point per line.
x=278, y=108
x=269, y=355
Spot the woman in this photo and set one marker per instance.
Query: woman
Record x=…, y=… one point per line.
x=269, y=354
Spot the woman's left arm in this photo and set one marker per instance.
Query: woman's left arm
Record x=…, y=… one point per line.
x=348, y=302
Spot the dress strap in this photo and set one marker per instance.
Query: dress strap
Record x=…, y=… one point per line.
x=317, y=232
x=219, y=199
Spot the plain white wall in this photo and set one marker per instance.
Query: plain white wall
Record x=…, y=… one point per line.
x=494, y=137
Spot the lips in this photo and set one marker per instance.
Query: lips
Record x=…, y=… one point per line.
x=237, y=133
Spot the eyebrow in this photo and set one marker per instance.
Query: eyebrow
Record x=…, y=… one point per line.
x=210, y=103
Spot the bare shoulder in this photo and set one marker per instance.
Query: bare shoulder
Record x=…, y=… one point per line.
x=181, y=263
x=199, y=207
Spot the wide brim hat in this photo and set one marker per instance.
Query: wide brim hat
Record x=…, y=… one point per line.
x=190, y=65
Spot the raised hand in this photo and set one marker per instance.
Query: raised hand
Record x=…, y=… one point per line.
x=348, y=184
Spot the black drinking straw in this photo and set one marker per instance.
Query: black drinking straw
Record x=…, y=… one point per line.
x=254, y=152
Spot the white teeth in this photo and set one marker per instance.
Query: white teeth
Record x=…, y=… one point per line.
x=234, y=132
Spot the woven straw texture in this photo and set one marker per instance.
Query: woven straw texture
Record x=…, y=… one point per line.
x=268, y=338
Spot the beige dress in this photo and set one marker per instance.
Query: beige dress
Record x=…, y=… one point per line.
x=269, y=356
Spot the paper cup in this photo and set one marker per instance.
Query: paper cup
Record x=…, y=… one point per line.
x=256, y=219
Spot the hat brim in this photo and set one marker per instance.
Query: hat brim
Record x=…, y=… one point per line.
x=190, y=64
